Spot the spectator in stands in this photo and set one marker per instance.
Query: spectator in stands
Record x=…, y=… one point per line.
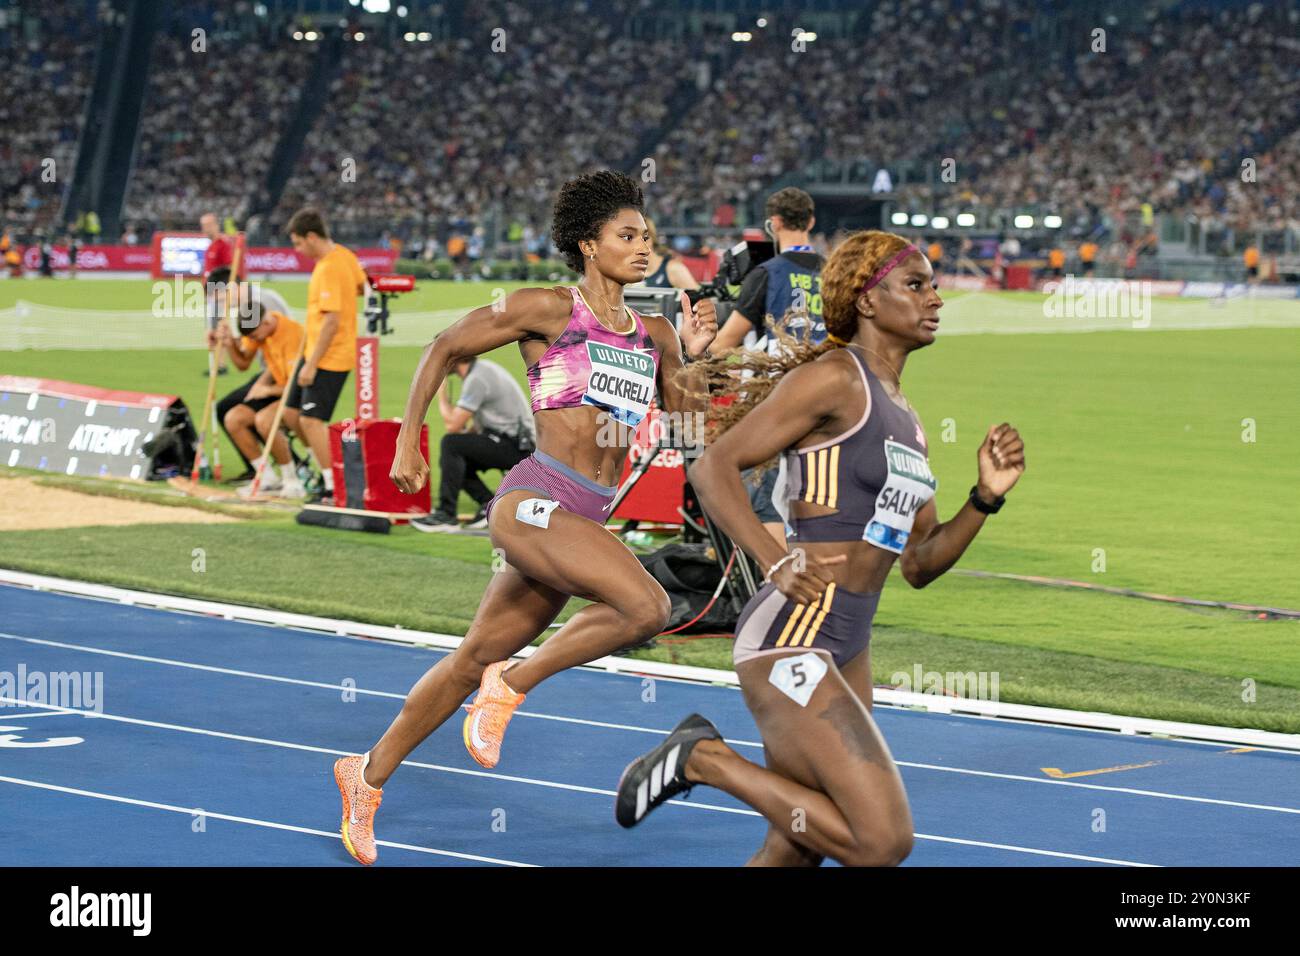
x=505, y=435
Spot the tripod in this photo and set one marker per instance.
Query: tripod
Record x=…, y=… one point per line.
x=743, y=578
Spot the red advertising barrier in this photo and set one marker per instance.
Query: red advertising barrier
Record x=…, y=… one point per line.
x=185, y=257
x=658, y=494
x=93, y=258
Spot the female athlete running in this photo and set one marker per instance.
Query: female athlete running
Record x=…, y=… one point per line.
x=593, y=367
x=858, y=490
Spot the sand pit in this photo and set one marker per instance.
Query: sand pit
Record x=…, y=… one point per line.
x=29, y=506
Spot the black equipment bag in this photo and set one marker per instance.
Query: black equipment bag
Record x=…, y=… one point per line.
x=690, y=576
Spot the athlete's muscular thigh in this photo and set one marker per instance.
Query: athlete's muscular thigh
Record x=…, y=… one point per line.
x=571, y=554
x=514, y=611
x=830, y=744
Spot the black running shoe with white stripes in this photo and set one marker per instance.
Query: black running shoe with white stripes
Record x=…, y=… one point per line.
x=660, y=775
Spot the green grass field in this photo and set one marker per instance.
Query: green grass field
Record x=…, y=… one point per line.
x=1138, y=476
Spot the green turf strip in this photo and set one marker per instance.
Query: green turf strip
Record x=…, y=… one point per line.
x=1090, y=651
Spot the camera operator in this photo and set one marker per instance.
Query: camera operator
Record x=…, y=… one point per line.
x=506, y=436
x=783, y=291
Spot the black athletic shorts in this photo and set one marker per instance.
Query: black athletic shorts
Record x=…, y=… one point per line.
x=239, y=396
x=318, y=399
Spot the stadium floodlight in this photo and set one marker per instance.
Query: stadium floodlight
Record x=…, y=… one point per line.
x=425, y=37
x=899, y=219
x=297, y=34
x=376, y=6
x=939, y=222
x=409, y=37
x=919, y=219
x=1024, y=222
x=358, y=35
x=401, y=11
x=965, y=219
x=1052, y=222
x=808, y=35
x=259, y=10
x=741, y=37
x=762, y=22
x=310, y=35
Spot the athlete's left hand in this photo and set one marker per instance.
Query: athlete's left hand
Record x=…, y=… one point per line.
x=699, y=325
x=1001, y=461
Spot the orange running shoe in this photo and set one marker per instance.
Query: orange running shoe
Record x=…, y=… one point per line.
x=485, y=724
x=360, y=801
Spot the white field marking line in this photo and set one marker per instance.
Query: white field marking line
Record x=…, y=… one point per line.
x=578, y=788
x=242, y=738
x=212, y=668
x=473, y=773
x=7, y=714
x=645, y=730
x=1085, y=722
x=1019, y=849
x=251, y=821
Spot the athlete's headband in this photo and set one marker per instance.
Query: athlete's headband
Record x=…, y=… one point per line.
x=884, y=270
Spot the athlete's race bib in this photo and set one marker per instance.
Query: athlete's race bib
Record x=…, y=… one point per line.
x=909, y=486
x=621, y=381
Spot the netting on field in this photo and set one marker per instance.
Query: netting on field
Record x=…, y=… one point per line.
x=29, y=325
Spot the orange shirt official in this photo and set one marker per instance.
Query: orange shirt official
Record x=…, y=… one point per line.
x=336, y=281
x=280, y=347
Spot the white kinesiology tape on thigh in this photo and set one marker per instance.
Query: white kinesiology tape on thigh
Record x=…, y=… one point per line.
x=536, y=511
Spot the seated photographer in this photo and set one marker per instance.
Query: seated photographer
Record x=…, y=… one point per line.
x=248, y=412
x=784, y=291
x=504, y=438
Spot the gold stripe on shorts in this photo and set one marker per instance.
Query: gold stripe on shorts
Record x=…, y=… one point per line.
x=821, y=616
x=793, y=620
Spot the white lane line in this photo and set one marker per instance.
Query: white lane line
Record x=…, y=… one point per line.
x=7, y=714
x=1097, y=786
x=190, y=811
x=646, y=730
x=251, y=821
x=323, y=685
x=1020, y=849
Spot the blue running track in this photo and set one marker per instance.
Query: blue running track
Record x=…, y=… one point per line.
x=216, y=741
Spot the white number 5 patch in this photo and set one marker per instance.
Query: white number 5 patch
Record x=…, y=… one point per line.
x=536, y=511
x=797, y=677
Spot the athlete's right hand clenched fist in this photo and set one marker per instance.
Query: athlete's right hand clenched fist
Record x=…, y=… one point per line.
x=804, y=578
x=410, y=471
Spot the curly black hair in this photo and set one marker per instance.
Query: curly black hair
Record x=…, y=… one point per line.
x=585, y=204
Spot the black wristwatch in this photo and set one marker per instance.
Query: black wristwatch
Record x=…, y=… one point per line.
x=981, y=507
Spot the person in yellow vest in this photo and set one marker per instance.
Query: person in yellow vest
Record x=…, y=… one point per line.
x=1056, y=259
x=331, y=350
x=1250, y=259
x=935, y=254
x=248, y=413
x=1088, y=256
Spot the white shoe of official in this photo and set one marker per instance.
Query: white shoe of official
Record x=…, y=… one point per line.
x=291, y=487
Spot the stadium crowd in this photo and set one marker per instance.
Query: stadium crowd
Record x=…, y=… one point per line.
x=47, y=51
x=439, y=130
x=475, y=132
x=212, y=115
